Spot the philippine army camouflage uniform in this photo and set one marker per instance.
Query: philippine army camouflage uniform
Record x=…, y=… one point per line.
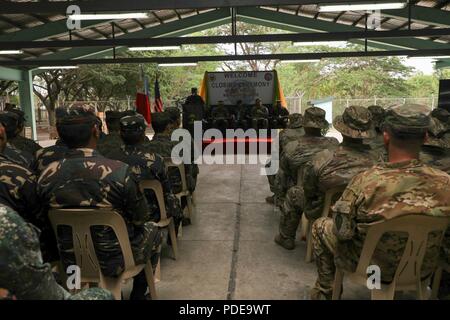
x=334, y=169
x=47, y=155
x=18, y=189
x=18, y=141
x=289, y=190
x=381, y=193
x=147, y=165
x=112, y=140
x=162, y=144
x=22, y=271
x=84, y=178
x=20, y=157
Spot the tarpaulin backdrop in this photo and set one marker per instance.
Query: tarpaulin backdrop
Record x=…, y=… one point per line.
x=227, y=82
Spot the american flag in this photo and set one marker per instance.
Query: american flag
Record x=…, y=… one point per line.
x=158, y=100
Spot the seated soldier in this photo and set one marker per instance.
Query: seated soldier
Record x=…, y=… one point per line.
x=221, y=117
x=162, y=145
x=260, y=116
x=23, y=274
x=10, y=122
x=16, y=139
x=384, y=192
x=377, y=143
x=279, y=116
x=112, y=140
x=146, y=165
x=244, y=116
x=85, y=179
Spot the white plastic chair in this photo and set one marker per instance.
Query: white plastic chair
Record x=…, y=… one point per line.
x=81, y=221
x=407, y=276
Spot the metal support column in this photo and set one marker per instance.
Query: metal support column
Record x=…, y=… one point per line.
x=27, y=101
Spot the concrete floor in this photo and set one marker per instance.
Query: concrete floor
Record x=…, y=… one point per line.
x=229, y=253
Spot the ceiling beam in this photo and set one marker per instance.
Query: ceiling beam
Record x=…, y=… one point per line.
x=424, y=15
x=47, y=30
x=294, y=23
x=281, y=56
x=171, y=41
x=143, y=5
x=175, y=28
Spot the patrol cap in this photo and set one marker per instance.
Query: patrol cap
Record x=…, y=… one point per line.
x=135, y=123
x=439, y=126
x=407, y=119
x=295, y=121
x=315, y=118
x=378, y=114
x=78, y=115
x=355, y=122
x=13, y=108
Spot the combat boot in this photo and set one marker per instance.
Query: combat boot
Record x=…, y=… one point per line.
x=270, y=199
x=288, y=244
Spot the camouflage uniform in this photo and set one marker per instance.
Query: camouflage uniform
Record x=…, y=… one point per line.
x=111, y=141
x=260, y=116
x=221, y=117
x=376, y=195
x=162, y=144
x=292, y=132
x=244, y=117
x=334, y=169
x=288, y=191
x=279, y=116
x=47, y=155
x=22, y=271
x=18, y=189
x=147, y=165
x=377, y=142
x=20, y=142
x=22, y=158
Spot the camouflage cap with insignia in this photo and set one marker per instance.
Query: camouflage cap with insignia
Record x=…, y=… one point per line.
x=135, y=123
x=408, y=118
x=315, y=118
x=295, y=121
x=355, y=122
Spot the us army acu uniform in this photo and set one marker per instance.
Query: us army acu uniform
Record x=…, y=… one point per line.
x=334, y=169
x=112, y=140
x=22, y=271
x=436, y=149
x=84, y=178
x=147, y=165
x=377, y=142
x=381, y=193
x=19, y=141
x=293, y=131
x=288, y=189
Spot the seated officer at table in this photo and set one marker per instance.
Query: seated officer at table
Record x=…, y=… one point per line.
x=221, y=117
x=279, y=116
x=260, y=116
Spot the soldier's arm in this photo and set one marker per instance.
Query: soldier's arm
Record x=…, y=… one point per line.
x=344, y=211
x=173, y=207
x=135, y=204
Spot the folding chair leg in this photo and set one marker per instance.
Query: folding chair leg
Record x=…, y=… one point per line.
x=158, y=271
x=150, y=280
x=337, y=285
x=309, y=245
x=173, y=238
x=304, y=227
x=385, y=293
x=436, y=283
x=190, y=206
